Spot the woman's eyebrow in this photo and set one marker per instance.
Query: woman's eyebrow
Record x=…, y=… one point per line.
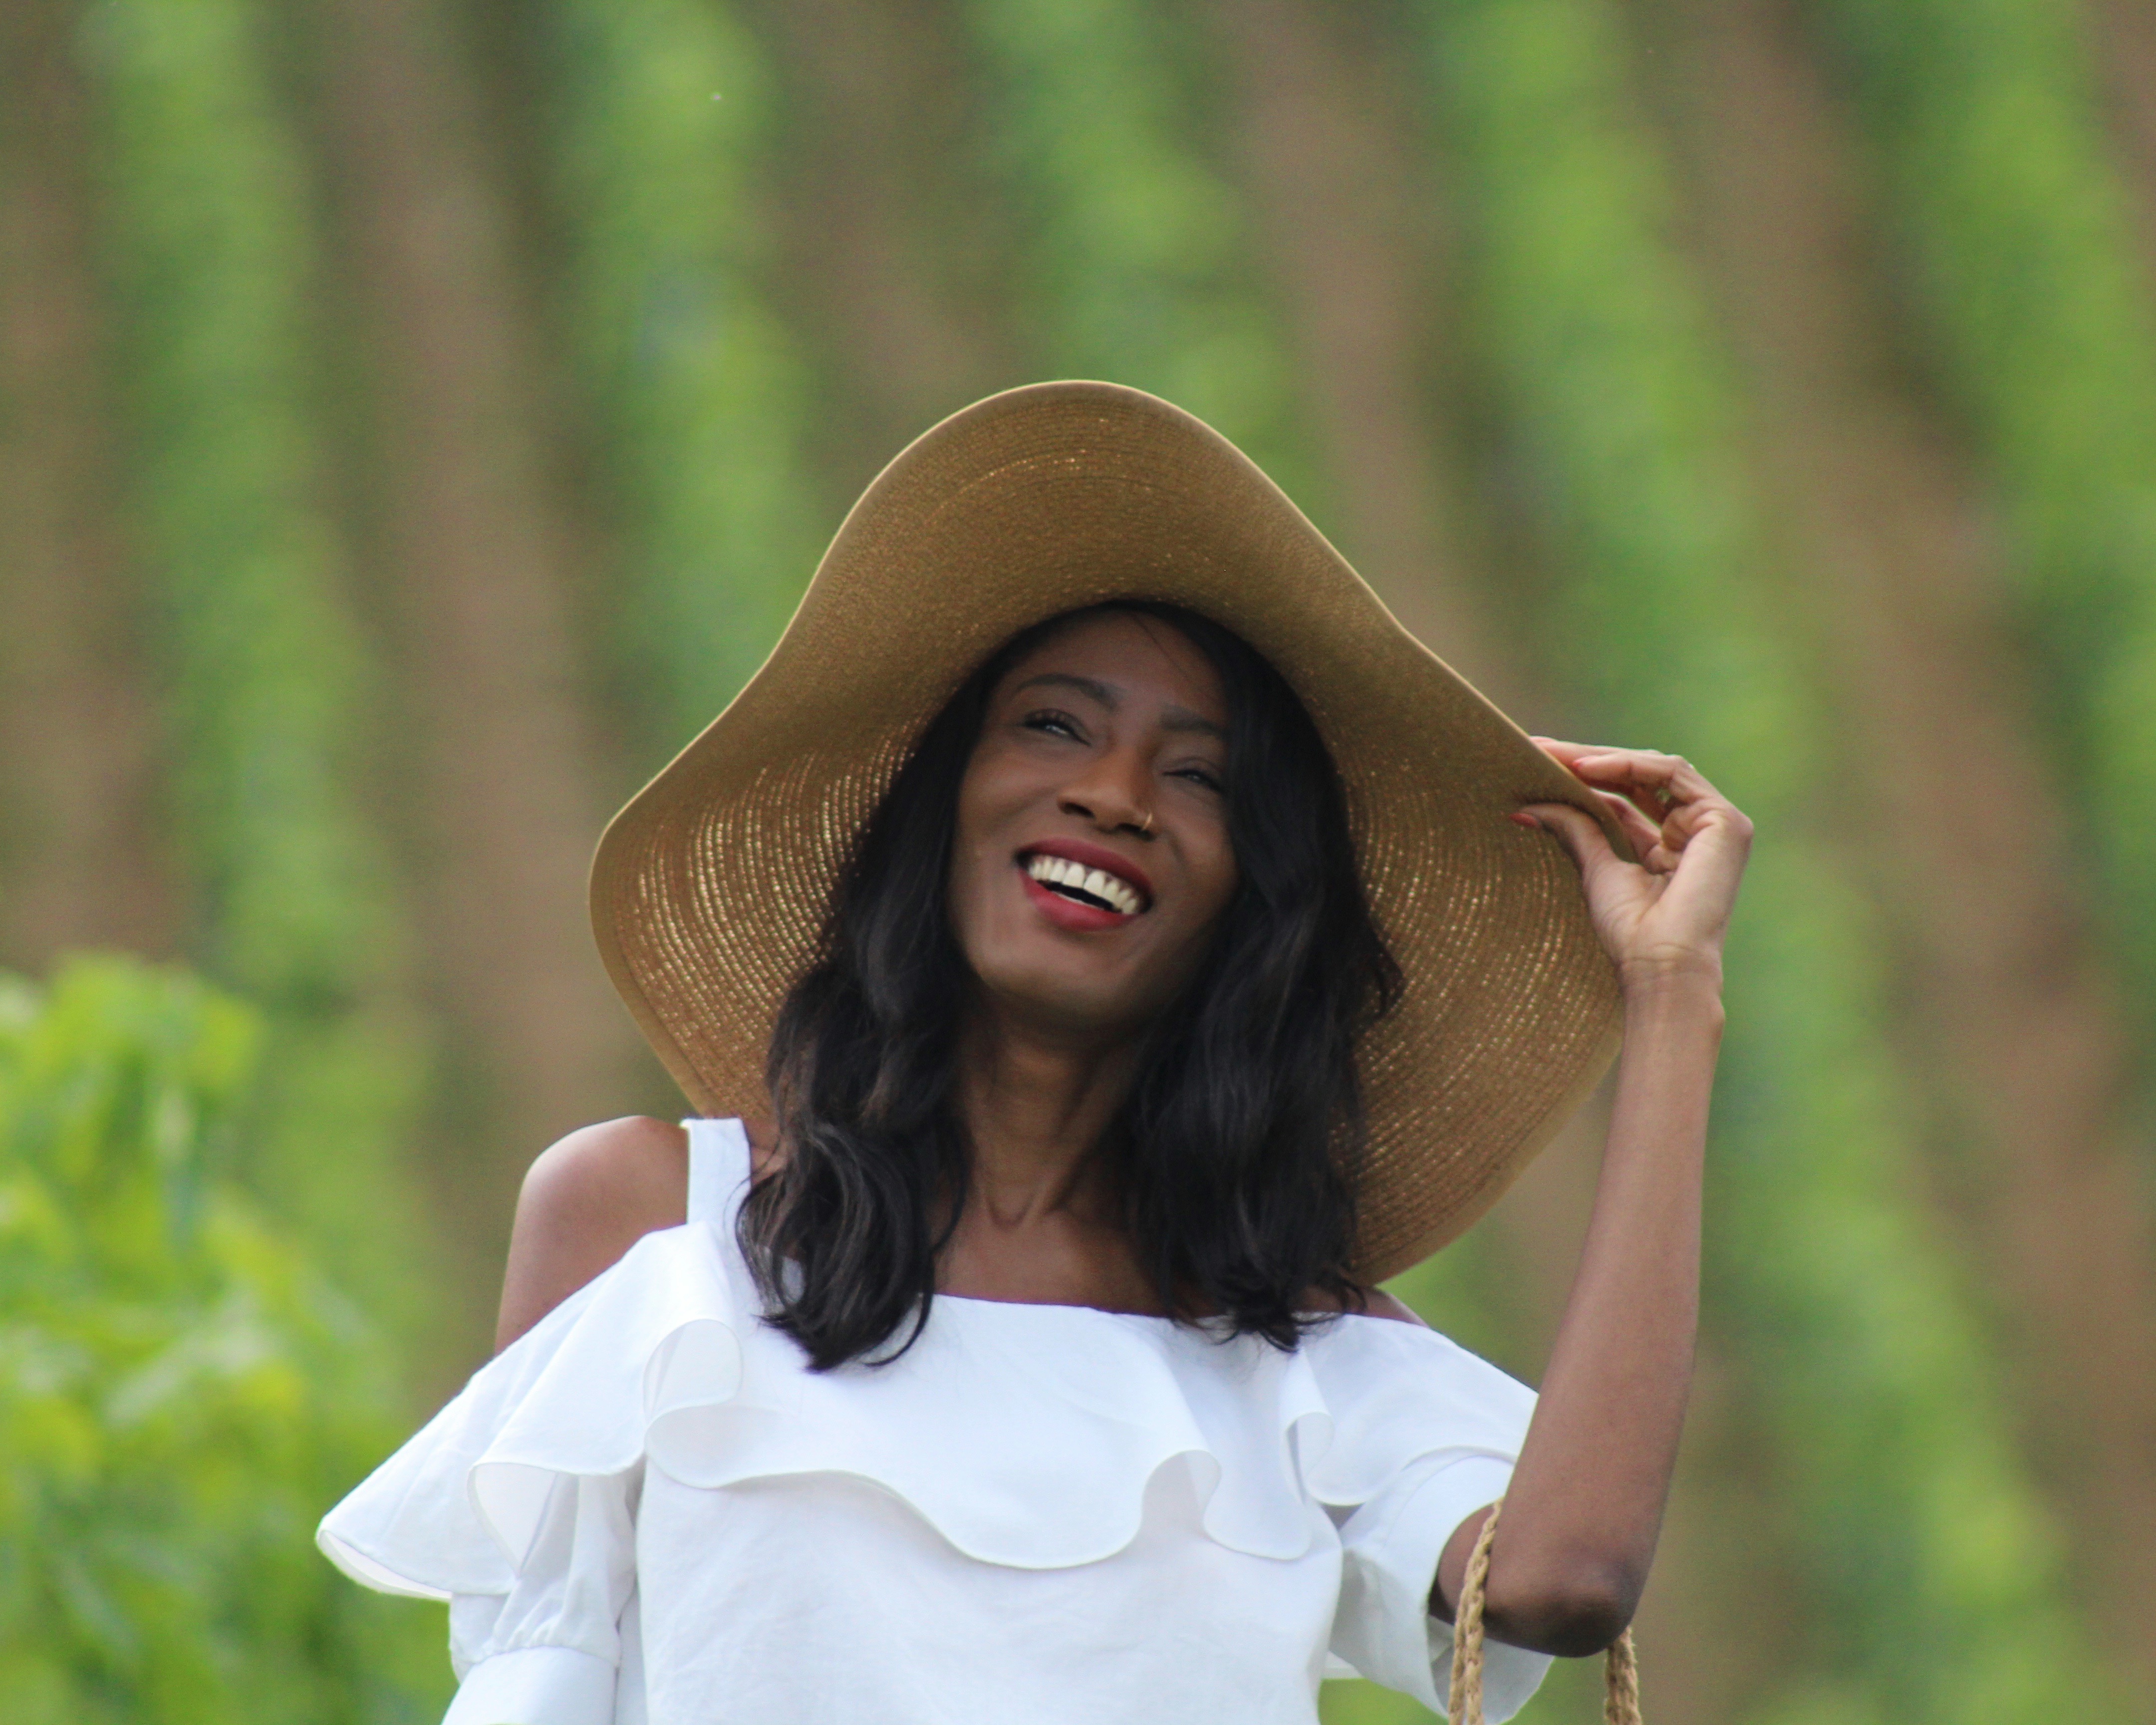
x=1174, y=718
x=1065, y=679
x=1181, y=718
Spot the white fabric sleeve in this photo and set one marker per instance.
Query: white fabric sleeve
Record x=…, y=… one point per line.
x=1389, y=1550
x=546, y=1651
x=535, y=1686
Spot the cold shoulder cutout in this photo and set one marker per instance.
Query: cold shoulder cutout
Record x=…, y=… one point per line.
x=646, y=1508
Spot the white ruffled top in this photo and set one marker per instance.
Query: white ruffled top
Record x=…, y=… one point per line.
x=647, y=1512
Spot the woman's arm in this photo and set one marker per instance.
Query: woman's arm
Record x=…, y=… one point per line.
x=1585, y=1508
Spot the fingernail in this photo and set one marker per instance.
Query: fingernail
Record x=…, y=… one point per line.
x=1524, y=819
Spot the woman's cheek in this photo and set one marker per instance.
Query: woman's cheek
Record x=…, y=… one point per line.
x=1221, y=877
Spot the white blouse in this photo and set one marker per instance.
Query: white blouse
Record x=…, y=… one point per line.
x=647, y=1512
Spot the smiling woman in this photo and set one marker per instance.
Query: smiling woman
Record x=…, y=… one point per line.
x=1103, y=945
x=987, y=1028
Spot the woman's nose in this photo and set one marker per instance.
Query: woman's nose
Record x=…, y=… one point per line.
x=1112, y=793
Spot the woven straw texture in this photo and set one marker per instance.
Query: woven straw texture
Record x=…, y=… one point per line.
x=710, y=887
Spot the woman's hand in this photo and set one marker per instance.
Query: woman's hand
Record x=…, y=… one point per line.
x=1665, y=916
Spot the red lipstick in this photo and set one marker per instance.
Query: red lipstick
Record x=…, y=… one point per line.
x=1093, y=856
x=1068, y=913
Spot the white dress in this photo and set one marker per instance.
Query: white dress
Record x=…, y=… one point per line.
x=647, y=1512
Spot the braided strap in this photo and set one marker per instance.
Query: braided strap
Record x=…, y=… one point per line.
x=1620, y=1700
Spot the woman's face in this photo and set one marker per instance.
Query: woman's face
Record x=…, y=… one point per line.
x=1092, y=859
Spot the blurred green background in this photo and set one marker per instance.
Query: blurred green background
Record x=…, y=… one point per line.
x=417, y=417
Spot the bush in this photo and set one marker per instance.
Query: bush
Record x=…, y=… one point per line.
x=181, y=1396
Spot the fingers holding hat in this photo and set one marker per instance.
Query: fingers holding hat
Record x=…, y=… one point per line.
x=1645, y=836
x=1584, y=836
x=1672, y=795
x=1672, y=908
x=1654, y=783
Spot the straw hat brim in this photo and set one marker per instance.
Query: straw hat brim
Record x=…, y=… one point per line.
x=710, y=888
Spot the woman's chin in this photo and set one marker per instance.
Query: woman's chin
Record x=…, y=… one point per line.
x=1057, y=998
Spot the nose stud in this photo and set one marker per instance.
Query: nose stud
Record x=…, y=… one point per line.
x=1148, y=828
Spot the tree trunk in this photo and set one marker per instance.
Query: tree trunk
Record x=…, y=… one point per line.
x=2124, y=34
x=881, y=222
x=474, y=556
x=2011, y=1008
x=1345, y=214
x=84, y=862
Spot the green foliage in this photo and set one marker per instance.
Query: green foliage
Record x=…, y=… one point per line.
x=1134, y=249
x=2033, y=299
x=1934, y=1579
x=181, y=1396
x=209, y=238
x=662, y=117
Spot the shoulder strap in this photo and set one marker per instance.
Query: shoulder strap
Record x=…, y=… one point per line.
x=1620, y=1701
x=718, y=1170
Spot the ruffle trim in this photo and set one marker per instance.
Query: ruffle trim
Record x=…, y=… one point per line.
x=1027, y=1436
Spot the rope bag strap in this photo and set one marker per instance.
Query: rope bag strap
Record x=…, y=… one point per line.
x=1620, y=1700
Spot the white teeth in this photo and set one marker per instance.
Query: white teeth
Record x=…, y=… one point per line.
x=1109, y=889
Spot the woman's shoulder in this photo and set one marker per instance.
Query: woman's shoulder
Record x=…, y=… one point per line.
x=1378, y=1303
x=587, y=1200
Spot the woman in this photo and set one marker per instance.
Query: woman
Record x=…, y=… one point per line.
x=1144, y=947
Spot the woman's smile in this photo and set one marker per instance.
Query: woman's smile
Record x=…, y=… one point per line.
x=1083, y=886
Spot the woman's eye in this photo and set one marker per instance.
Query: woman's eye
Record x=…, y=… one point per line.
x=1205, y=776
x=1055, y=724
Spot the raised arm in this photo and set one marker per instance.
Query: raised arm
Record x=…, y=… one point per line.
x=1585, y=1508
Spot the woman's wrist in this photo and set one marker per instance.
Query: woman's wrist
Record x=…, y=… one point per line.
x=1686, y=986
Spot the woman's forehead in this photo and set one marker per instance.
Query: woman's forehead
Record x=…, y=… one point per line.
x=1118, y=657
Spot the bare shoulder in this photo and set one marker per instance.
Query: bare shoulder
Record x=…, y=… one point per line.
x=585, y=1202
x=1384, y=1305
x=588, y=1199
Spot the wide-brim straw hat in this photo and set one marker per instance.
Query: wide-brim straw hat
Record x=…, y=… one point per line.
x=710, y=888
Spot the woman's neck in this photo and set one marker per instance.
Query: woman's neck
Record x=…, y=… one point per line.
x=1036, y=1101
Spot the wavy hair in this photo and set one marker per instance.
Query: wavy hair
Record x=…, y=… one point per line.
x=1236, y=1153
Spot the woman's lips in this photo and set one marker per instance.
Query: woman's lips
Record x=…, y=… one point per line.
x=1091, y=856
x=1067, y=912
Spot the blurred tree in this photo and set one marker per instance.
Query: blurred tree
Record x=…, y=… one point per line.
x=1935, y=1577
x=181, y=1394
x=2016, y=1015
x=1343, y=210
x=662, y=136
x=1132, y=249
x=208, y=238
x=81, y=861
x=886, y=219
x=475, y=557
x=2123, y=35
x=2032, y=286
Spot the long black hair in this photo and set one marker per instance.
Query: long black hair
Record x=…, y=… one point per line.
x=1234, y=1156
